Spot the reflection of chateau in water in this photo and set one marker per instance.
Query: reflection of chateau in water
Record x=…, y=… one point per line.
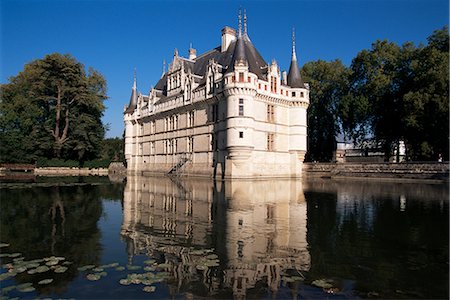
x=258, y=228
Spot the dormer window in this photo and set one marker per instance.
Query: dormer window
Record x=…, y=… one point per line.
x=301, y=94
x=241, y=77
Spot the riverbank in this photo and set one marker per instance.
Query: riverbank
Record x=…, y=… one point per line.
x=411, y=171
x=59, y=171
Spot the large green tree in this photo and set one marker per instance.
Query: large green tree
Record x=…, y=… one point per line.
x=52, y=109
x=400, y=93
x=328, y=85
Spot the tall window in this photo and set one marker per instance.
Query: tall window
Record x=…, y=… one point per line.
x=241, y=77
x=152, y=148
x=191, y=119
x=270, y=142
x=152, y=127
x=190, y=144
x=241, y=107
x=273, y=84
x=215, y=112
x=270, y=113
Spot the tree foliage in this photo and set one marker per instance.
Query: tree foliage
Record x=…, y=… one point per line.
x=52, y=109
x=328, y=84
x=389, y=94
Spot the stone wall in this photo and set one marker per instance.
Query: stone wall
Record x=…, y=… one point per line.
x=61, y=171
x=400, y=171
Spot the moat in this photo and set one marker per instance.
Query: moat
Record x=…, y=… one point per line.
x=161, y=237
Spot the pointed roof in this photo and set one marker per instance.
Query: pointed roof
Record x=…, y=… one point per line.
x=294, y=79
x=133, y=99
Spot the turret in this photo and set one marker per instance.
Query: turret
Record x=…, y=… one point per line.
x=240, y=89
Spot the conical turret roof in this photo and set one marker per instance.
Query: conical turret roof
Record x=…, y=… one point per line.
x=294, y=79
x=133, y=99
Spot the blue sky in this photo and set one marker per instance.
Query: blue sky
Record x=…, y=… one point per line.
x=114, y=37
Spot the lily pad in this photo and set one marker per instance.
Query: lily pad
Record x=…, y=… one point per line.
x=98, y=269
x=4, y=245
x=60, y=270
x=27, y=289
x=133, y=268
x=322, y=283
x=85, y=268
x=15, y=254
x=149, y=261
x=112, y=265
x=4, y=255
x=212, y=256
x=120, y=268
x=8, y=288
x=66, y=263
x=163, y=266
x=31, y=265
x=149, y=289
x=202, y=267
x=148, y=269
x=32, y=271
x=46, y=281
x=124, y=281
x=24, y=285
x=93, y=277
x=211, y=263
x=52, y=262
x=42, y=269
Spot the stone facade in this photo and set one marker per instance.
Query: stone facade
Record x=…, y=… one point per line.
x=223, y=114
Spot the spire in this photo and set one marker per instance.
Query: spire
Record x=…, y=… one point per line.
x=294, y=78
x=133, y=99
x=294, y=56
x=245, y=22
x=240, y=23
x=164, y=67
x=239, y=55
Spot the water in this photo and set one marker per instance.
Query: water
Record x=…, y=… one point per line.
x=281, y=239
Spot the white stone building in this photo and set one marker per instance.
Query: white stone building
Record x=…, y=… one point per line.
x=225, y=114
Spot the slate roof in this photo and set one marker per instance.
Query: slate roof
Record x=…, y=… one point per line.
x=226, y=59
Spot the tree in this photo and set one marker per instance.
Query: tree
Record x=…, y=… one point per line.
x=401, y=93
x=426, y=101
x=328, y=84
x=53, y=109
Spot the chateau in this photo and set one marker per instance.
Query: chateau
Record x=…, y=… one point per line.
x=225, y=114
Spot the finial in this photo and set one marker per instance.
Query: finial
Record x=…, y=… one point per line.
x=134, y=83
x=245, y=22
x=164, y=66
x=175, y=52
x=294, y=56
x=240, y=23
x=190, y=45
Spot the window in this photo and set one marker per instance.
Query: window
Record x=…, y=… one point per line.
x=215, y=112
x=270, y=142
x=152, y=127
x=191, y=119
x=265, y=87
x=301, y=94
x=293, y=94
x=249, y=79
x=190, y=144
x=241, y=134
x=233, y=78
x=273, y=84
x=152, y=148
x=259, y=85
x=241, y=77
x=270, y=113
x=174, y=146
x=241, y=107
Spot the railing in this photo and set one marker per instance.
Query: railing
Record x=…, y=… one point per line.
x=184, y=158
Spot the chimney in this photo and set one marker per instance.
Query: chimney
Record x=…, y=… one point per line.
x=192, y=53
x=228, y=36
x=284, y=78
